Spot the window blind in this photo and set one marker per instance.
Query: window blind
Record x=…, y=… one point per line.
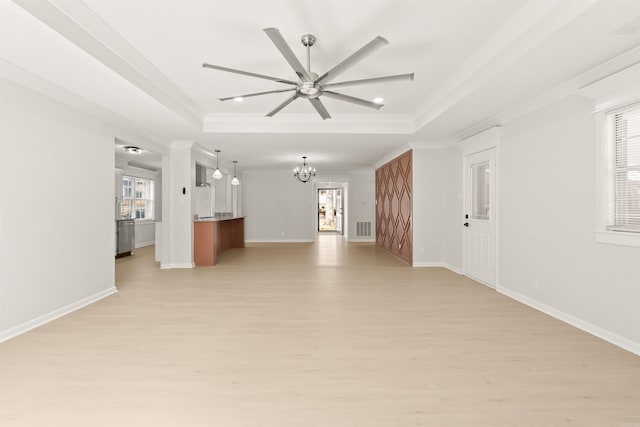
x=624, y=169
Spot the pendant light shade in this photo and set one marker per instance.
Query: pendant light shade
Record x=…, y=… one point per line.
x=235, y=180
x=217, y=174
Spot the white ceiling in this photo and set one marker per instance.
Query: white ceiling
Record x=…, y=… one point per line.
x=138, y=64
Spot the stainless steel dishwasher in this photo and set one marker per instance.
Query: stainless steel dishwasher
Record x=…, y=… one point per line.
x=126, y=230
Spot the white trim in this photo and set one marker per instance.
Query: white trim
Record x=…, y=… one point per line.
x=618, y=238
x=584, y=84
x=453, y=268
x=428, y=264
x=439, y=265
x=482, y=141
x=279, y=241
x=143, y=244
x=308, y=123
x=604, y=334
x=482, y=282
x=177, y=265
x=81, y=26
x=392, y=155
x=626, y=96
x=362, y=240
x=604, y=105
x=46, y=318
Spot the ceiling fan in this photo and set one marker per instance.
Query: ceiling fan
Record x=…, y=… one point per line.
x=309, y=84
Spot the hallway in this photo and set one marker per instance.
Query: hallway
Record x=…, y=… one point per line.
x=324, y=334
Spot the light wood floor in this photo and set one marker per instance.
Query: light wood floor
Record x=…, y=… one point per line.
x=327, y=334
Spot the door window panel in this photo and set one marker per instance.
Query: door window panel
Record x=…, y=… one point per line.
x=480, y=179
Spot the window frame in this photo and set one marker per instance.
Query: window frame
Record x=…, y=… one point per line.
x=150, y=201
x=605, y=151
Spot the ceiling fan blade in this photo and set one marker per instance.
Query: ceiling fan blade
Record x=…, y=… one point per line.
x=285, y=50
x=246, y=73
x=372, y=80
x=317, y=104
x=359, y=55
x=281, y=106
x=257, y=94
x=351, y=99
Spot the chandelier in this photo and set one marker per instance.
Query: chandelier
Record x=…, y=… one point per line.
x=305, y=172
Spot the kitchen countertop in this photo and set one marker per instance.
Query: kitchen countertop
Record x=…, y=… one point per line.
x=220, y=217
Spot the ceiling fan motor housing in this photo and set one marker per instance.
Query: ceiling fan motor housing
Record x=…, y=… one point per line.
x=308, y=40
x=309, y=85
x=309, y=89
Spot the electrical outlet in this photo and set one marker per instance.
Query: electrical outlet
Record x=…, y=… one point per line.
x=535, y=284
x=282, y=234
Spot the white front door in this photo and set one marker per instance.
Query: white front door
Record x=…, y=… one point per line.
x=339, y=211
x=480, y=216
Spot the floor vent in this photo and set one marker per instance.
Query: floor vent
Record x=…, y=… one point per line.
x=363, y=228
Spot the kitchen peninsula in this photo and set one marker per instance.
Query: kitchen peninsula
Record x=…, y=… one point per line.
x=214, y=235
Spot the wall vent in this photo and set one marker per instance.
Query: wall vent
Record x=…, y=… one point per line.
x=363, y=228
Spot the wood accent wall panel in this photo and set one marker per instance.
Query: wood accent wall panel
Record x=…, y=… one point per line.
x=394, y=206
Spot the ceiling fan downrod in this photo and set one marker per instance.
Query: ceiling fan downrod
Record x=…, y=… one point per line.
x=308, y=40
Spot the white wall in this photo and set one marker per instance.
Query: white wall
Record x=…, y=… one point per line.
x=546, y=228
x=428, y=207
x=277, y=207
x=453, y=215
x=56, y=178
x=361, y=203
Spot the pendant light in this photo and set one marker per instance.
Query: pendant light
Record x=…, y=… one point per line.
x=217, y=174
x=305, y=172
x=235, y=180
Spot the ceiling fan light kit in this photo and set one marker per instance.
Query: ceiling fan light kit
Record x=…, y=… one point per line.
x=310, y=85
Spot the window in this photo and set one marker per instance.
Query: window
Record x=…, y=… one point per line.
x=480, y=180
x=623, y=169
x=618, y=211
x=137, y=198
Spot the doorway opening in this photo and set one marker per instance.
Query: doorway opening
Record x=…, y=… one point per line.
x=330, y=210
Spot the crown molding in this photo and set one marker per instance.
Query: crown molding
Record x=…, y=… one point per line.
x=482, y=141
x=615, y=75
x=75, y=21
x=308, y=123
x=137, y=134
x=534, y=22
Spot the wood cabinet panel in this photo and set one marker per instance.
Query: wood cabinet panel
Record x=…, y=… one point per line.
x=394, y=206
x=211, y=238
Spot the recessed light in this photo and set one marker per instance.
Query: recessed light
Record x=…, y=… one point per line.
x=132, y=149
x=378, y=100
x=238, y=99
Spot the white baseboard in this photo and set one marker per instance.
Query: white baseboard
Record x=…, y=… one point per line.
x=278, y=241
x=454, y=269
x=428, y=264
x=439, y=264
x=143, y=244
x=177, y=265
x=41, y=320
x=597, y=331
x=362, y=240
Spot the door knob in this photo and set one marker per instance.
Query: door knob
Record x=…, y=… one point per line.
x=466, y=224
